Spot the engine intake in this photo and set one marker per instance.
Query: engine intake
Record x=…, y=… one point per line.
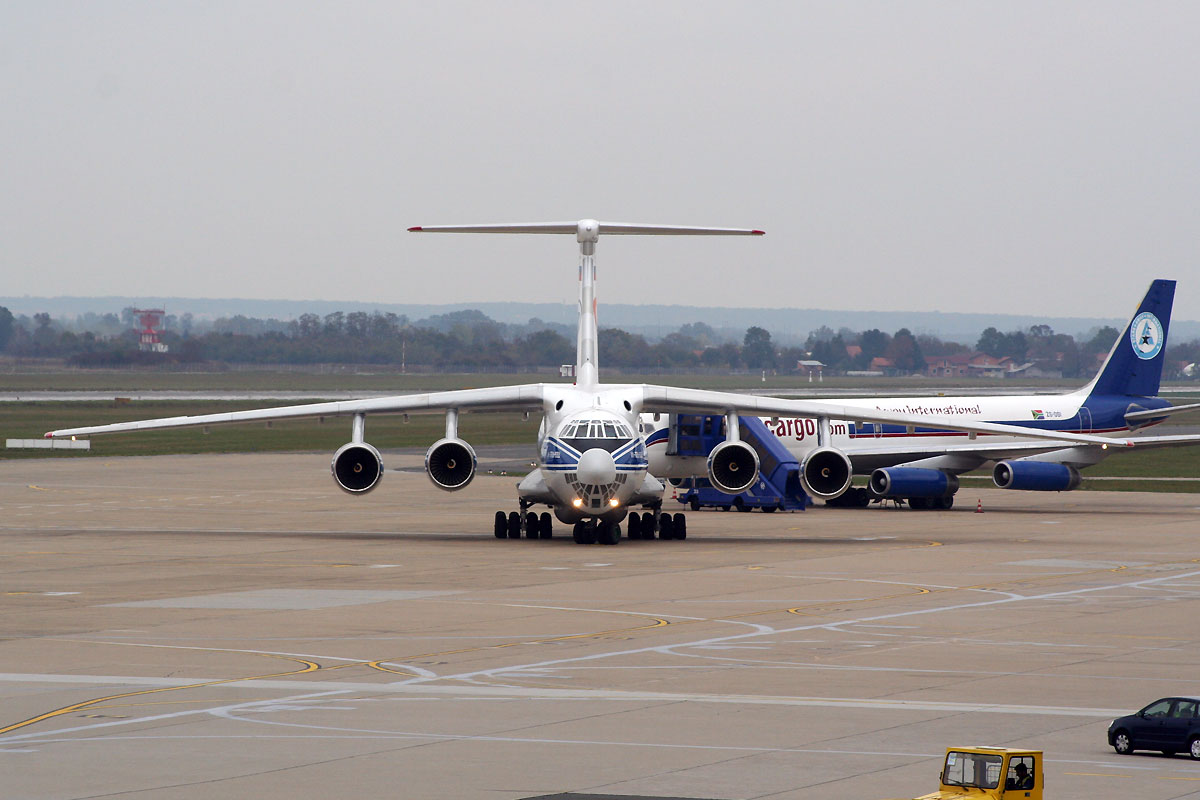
x=913, y=482
x=357, y=467
x=1035, y=476
x=733, y=467
x=827, y=472
x=450, y=464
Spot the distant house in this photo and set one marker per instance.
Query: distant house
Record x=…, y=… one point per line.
x=1035, y=369
x=981, y=365
x=953, y=366
x=853, y=351
x=883, y=366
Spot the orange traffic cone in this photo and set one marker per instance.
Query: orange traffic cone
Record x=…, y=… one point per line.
x=979, y=506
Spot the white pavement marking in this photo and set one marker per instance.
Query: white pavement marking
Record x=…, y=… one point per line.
x=481, y=692
x=663, y=649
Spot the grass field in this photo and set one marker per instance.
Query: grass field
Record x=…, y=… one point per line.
x=29, y=420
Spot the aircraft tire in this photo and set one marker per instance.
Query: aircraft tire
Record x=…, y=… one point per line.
x=532, y=525
x=501, y=528
x=585, y=532
x=666, y=527
x=648, y=525
x=546, y=528
x=770, y=509
x=679, y=526
x=608, y=533
x=740, y=505
x=694, y=503
x=635, y=527
x=945, y=503
x=514, y=525
x=919, y=503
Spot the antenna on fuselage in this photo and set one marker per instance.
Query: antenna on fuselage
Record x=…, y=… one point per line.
x=587, y=233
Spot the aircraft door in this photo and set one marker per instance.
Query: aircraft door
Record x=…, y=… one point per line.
x=1085, y=419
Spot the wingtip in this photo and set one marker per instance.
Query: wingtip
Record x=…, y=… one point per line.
x=757, y=232
x=415, y=229
x=49, y=435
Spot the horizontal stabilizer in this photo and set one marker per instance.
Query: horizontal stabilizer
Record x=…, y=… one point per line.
x=1158, y=413
x=615, y=228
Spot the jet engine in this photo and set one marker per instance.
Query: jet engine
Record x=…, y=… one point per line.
x=826, y=472
x=1035, y=476
x=913, y=482
x=450, y=464
x=357, y=467
x=733, y=467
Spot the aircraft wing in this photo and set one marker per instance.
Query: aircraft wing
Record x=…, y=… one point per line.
x=1176, y=440
x=500, y=398
x=670, y=399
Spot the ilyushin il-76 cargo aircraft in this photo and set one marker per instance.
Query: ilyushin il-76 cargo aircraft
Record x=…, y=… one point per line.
x=920, y=465
x=592, y=467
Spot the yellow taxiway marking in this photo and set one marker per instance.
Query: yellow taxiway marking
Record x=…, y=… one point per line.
x=38, y=488
x=309, y=666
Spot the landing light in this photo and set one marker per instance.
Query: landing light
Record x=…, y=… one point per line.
x=577, y=502
x=614, y=502
x=1103, y=447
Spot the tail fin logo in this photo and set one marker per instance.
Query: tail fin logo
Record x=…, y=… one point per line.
x=1146, y=335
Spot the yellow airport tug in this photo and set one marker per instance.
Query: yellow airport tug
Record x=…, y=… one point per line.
x=999, y=773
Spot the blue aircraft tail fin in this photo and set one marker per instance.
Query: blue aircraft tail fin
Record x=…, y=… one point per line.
x=1134, y=366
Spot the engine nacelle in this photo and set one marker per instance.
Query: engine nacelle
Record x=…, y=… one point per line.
x=1035, y=476
x=357, y=467
x=826, y=473
x=913, y=482
x=450, y=464
x=733, y=467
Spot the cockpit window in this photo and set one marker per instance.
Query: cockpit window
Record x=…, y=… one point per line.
x=607, y=434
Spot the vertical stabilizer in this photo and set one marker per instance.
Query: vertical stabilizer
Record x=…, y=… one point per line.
x=1134, y=366
x=587, y=346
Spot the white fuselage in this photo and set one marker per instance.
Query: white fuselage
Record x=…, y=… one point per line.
x=591, y=453
x=802, y=435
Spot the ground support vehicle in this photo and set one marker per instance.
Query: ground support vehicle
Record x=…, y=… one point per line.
x=998, y=773
x=778, y=486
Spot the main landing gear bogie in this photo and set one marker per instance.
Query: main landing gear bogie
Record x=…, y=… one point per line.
x=514, y=523
x=639, y=526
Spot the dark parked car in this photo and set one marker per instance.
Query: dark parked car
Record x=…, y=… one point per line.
x=1170, y=725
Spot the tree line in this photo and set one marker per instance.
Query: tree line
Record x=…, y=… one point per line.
x=471, y=340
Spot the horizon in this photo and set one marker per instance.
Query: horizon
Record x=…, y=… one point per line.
x=958, y=326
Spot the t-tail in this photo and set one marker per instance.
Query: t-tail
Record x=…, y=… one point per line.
x=587, y=233
x=1135, y=364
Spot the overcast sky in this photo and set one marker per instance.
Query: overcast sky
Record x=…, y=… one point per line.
x=1037, y=158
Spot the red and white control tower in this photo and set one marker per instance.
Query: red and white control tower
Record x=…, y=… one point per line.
x=150, y=321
